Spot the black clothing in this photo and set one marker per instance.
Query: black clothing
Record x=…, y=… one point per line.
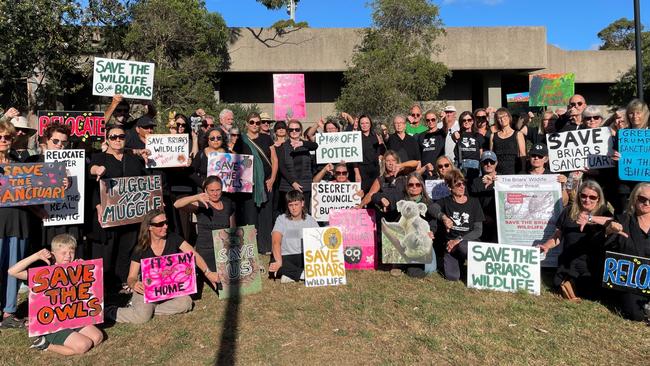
x=369, y=167
x=407, y=148
x=172, y=246
x=507, y=151
x=207, y=220
x=431, y=145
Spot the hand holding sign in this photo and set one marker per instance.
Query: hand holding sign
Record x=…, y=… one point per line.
x=213, y=277
x=138, y=287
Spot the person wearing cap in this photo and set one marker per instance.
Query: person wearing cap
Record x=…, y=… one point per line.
x=118, y=112
x=482, y=188
x=449, y=125
x=20, y=146
x=414, y=127
x=537, y=164
x=266, y=120
x=137, y=142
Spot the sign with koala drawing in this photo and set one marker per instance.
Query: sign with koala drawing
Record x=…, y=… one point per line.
x=408, y=240
x=323, y=255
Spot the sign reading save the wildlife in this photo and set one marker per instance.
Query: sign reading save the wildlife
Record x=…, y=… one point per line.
x=65, y=296
x=326, y=196
x=71, y=210
x=550, y=89
x=126, y=200
x=503, y=267
x=335, y=147
x=31, y=184
x=235, y=252
x=408, y=240
x=132, y=79
x=289, y=96
x=627, y=273
x=168, y=151
x=168, y=276
x=359, y=233
x=634, y=146
x=82, y=124
x=590, y=148
x=323, y=255
x=235, y=171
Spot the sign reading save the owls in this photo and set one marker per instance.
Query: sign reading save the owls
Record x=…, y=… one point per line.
x=323, y=254
x=408, y=240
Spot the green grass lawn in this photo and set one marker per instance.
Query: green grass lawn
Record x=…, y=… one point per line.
x=375, y=319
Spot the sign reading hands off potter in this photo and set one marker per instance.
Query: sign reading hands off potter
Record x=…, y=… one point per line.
x=132, y=79
x=334, y=147
x=503, y=267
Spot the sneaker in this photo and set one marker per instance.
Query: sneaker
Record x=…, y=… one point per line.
x=395, y=272
x=12, y=322
x=302, y=276
x=285, y=279
x=23, y=288
x=40, y=343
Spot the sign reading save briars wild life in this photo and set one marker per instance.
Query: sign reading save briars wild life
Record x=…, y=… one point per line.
x=71, y=210
x=127, y=200
x=31, y=184
x=82, y=124
x=334, y=147
x=590, y=148
x=132, y=79
x=168, y=150
x=235, y=252
x=323, y=255
x=627, y=273
x=168, y=276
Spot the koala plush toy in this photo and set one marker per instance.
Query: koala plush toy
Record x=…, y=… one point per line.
x=416, y=241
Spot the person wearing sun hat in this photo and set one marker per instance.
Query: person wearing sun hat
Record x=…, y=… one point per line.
x=266, y=120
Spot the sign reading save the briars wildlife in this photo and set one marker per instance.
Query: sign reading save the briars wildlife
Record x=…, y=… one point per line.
x=235, y=171
x=573, y=150
x=359, y=233
x=627, y=273
x=326, y=196
x=168, y=276
x=408, y=240
x=65, y=296
x=289, y=96
x=634, y=146
x=132, y=79
x=235, y=251
x=503, y=267
x=71, y=210
x=126, y=200
x=551, y=89
x=168, y=151
x=82, y=124
x=335, y=147
x=31, y=184
x=323, y=255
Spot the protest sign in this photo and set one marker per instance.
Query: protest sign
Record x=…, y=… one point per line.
x=634, y=147
x=132, y=79
x=71, y=210
x=168, y=151
x=627, y=273
x=527, y=208
x=168, y=276
x=334, y=147
x=65, y=296
x=323, y=254
x=31, y=184
x=126, y=200
x=550, y=89
x=523, y=97
x=408, y=240
x=437, y=189
x=235, y=171
x=326, y=196
x=289, y=96
x=359, y=233
x=82, y=124
x=590, y=148
x=503, y=267
x=235, y=252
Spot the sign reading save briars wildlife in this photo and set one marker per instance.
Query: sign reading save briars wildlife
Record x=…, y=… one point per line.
x=168, y=150
x=31, y=184
x=126, y=200
x=627, y=273
x=132, y=79
x=359, y=233
x=71, y=210
x=335, y=147
x=82, y=124
x=238, y=266
x=634, y=146
x=235, y=171
x=590, y=148
x=65, y=296
x=168, y=276
x=323, y=255
x=503, y=267
x=326, y=196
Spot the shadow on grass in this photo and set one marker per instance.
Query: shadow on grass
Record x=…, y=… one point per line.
x=227, y=352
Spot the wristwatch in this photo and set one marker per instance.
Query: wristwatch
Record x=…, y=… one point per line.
x=590, y=218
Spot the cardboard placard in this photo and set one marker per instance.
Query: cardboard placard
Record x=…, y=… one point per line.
x=503, y=267
x=590, y=148
x=634, y=147
x=235, y=252
x=323, y=255
x=127, y=200
x=235, y=171
x=71, y=210
x=518, y=97
x=627, y=273
x=551, y=89
x=289, y=96
x=437, y=189
x=82, y=124
x=335, y=147
x=407, y=241
x=359, y=237
x=31, y=184
x=326, y=196
x=168, y=150
x=168, y=276
x=132, y=79
x=65, y=296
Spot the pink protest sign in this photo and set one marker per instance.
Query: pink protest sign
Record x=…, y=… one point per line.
x=235, y=171
x=65, y=296
x=359, y=236
x=168, y=276
x=289, y=96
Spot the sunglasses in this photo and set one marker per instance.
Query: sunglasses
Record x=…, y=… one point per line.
x=59, y=142
x=234, y=135
x=643, y=200
x=205, y=125
x=415, y=185
x=117, y=137
x=481, y=117
x=536, y=157
x=341, y=172
x=181, y=124
x=215, y=138
x=466, y=120
x=6, y=137
x=460, y=183
x=440, y=166
x=256, y=123
x=158, y=224
x=265, y=122
x=591, y=197
x=147, y=127
x=294, y=129
x=430, y=119
x=488, y=162
x=416, y=115
x=578, y=104
x=590, y=118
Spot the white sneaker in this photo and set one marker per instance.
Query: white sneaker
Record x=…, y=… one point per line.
x=302, y=275
x=23, y=288
x=285, y=279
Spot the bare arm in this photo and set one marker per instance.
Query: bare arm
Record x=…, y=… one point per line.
x=371, y=192
x=19, y=270
x=326, y=169
x=276, y=250
x=200, y=262
x=117, y=98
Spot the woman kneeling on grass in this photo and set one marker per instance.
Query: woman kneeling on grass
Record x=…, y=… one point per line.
x=155, y=241
x=67, y=341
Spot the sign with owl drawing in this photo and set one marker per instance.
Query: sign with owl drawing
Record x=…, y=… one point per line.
x=323, y=254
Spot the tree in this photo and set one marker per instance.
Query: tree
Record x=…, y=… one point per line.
x=392, y=66
x=618, y=36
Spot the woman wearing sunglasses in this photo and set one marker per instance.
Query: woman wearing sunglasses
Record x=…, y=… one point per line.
x=114, y=245
x=469, y=145
x=216, y=143
x=295, y=163
x=580, y=231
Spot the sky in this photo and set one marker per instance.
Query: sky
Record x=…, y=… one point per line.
x=570, y=24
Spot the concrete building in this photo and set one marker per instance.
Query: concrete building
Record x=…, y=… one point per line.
x=486, y=64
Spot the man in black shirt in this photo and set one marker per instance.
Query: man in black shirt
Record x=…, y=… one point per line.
x=572, y=119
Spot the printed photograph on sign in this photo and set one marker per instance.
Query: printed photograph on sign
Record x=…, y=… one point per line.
x=168, y=276
x=131, y=79
x=289, y=96
x=71, y=210
x=31, y=184
x=550, y=89
x=168, y=150
x=335, y=147
x=359, y=236
x=127, y=200
x=408, y=240
x=326, y=196
x=323, y=255
x=574, y=150
x=626, y=273
x=238, y=266
x=235, y=171
x=82, y=124
x=437, y=189
x=634, y=147
x=52, y=304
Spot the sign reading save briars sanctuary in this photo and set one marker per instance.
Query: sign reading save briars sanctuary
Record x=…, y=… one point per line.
x=132, y=79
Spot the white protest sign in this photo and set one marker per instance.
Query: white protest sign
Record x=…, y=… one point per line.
x=335, y=147
x=132, y=79
x=326, y=196
x=501, y=267
x=437, y=189
x=167, y=151
x=323, y=255
x=70, y=211
x=589, y=148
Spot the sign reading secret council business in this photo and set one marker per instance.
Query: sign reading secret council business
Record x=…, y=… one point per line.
x=131, y=79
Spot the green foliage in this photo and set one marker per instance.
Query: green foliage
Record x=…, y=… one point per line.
x=392, y=66
x=618, y=36
x=275, y=4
